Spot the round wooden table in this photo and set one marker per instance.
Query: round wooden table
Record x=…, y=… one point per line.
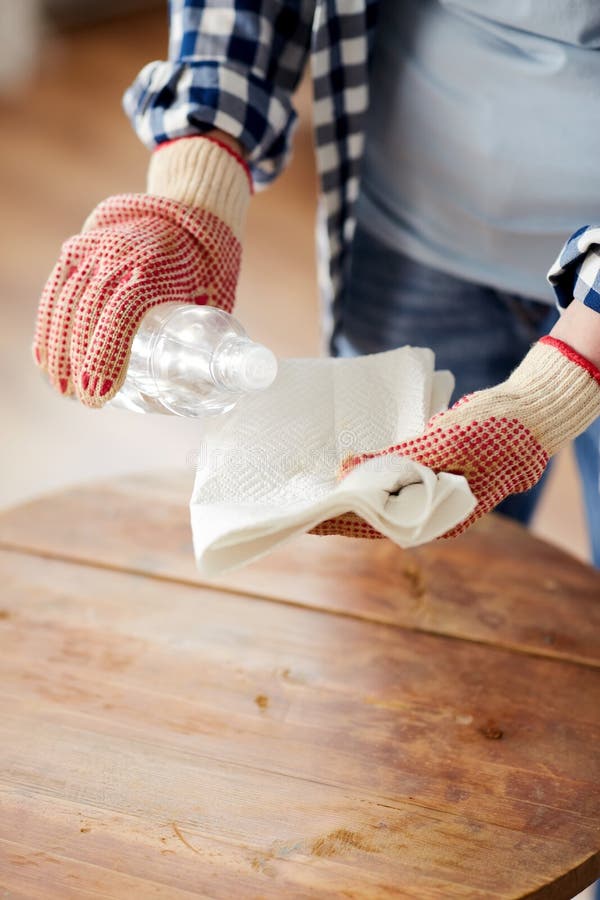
x=341, y=719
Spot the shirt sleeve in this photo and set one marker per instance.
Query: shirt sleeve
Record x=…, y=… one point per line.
x=576, y=272
x=233, y=65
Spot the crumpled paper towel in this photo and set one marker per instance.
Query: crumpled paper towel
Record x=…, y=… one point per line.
x=268, y=470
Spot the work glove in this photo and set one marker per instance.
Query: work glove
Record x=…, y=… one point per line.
x=179, y=242
x=500, y=438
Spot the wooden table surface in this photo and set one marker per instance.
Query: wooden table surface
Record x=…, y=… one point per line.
x=341, y=719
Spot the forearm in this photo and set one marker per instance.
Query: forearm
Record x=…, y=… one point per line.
x=233, y=67
x=579, y=327
x=228, y=140
x=204, y=172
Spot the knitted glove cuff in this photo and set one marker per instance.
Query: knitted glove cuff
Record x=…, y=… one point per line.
x=559, y=390
x=202, y=172
x=554, y=393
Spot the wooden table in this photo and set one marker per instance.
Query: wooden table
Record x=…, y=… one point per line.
x=342, y=719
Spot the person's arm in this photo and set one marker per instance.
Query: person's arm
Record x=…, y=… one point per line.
x=575, y=278
x=233, y=66
x=220, y=107
x=226, y=139
x=579, y=327
x=501, y=438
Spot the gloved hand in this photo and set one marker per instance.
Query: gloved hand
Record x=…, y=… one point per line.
x=500, y=438
x=181, y=241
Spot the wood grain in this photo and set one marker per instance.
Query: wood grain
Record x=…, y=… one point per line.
x=164, y=738
x=496, y=584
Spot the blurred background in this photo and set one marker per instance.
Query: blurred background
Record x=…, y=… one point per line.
x=65, y=144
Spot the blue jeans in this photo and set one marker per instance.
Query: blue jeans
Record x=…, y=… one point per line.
x=477, y=332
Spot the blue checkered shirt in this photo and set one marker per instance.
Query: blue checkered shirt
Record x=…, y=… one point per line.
x=234, y=65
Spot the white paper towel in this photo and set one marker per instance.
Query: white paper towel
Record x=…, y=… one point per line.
x=269, y=469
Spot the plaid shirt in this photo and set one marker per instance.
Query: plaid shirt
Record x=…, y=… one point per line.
x=234, y=65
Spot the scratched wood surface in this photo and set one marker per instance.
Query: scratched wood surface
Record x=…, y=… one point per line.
x=374, y=723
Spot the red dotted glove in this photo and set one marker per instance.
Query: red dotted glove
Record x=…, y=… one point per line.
x=178, y=243
x=501, y=438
